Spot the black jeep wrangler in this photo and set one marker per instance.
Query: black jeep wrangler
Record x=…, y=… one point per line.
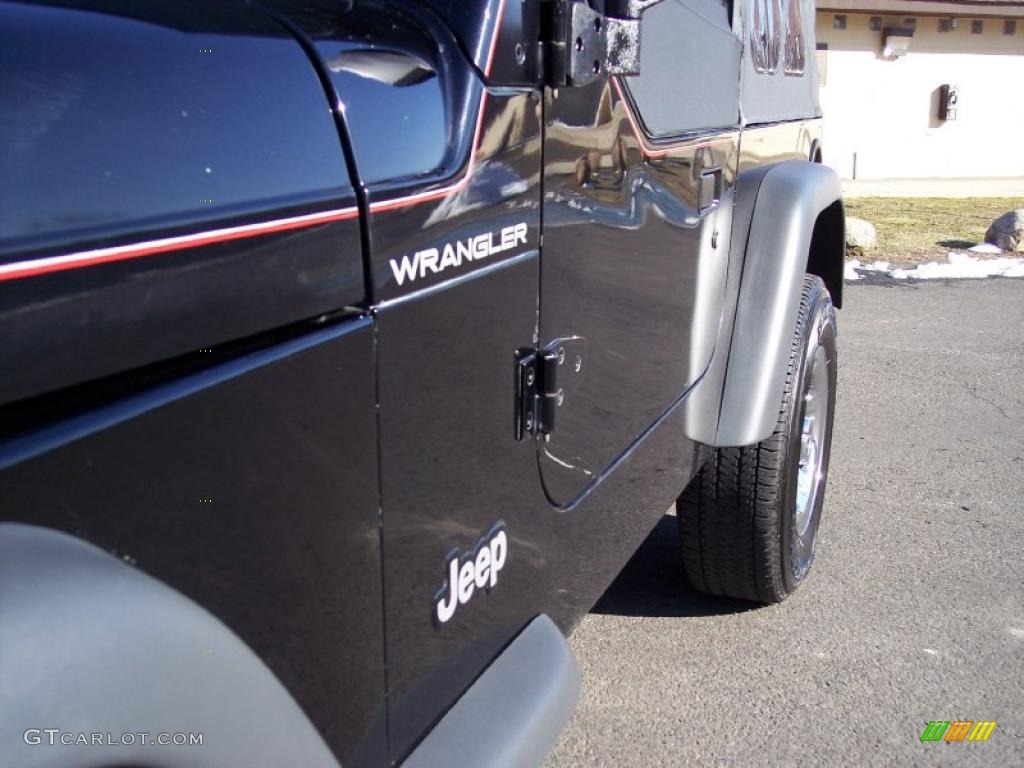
x=351, y=347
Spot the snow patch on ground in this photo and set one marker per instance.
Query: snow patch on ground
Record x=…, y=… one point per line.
x=963, y=265
x=854, y=267
x=958, y=266
x=876, y=266
x=985, y=248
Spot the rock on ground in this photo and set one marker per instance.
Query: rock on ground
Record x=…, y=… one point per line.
x=860, y=235
x=1007, y=231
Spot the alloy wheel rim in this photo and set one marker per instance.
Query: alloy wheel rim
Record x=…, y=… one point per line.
x=810, y=472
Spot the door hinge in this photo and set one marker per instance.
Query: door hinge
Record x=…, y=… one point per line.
x=582, y=45
x=543, y=380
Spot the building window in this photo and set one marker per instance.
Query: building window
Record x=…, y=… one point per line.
x=910, y=23
x=1010, y=27
x=875, y=23
x=944, y=25
x=977, y=27
x=838, y=22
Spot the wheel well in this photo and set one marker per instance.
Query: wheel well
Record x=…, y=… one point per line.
x=828, y=249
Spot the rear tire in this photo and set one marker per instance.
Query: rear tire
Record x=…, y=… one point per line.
x=748, y=522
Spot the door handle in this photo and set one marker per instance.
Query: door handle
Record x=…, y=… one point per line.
x=710, y=191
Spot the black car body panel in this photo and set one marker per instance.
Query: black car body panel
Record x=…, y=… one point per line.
x=251, y=487
x=627, y=242
x=219, y=203
x=296, y=404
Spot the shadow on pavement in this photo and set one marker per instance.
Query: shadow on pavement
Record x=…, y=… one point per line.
x=653, y=583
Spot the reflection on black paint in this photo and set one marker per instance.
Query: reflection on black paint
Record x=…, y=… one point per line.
x=88, y=105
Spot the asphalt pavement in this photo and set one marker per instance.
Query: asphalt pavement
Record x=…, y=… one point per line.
x=914, y=610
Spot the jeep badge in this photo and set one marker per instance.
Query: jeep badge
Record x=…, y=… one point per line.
x=470, y=571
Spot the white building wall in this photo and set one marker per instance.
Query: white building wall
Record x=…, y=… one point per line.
x=881, y=116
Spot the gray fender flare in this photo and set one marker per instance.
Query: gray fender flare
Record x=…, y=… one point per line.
x=790, y=198
x=90, y=645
